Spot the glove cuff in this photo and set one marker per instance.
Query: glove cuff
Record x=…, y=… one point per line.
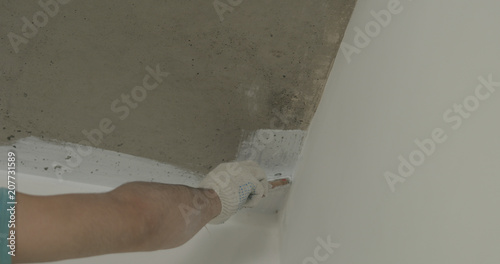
x=226, y=196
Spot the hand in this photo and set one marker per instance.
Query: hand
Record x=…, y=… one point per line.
x=238, y=185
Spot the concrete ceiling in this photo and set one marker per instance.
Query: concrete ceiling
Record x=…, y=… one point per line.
x=223, y=68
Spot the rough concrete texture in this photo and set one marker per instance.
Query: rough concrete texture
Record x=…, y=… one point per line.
x=261, y=65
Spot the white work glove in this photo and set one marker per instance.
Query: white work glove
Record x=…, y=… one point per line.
x=238, y=184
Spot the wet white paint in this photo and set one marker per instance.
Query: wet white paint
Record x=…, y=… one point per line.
x=276, y=151
x=100, y=167
x=61, y=161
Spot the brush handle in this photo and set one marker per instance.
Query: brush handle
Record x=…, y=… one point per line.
x=279, y=182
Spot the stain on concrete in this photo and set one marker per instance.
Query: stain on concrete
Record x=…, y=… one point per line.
x=225, y=77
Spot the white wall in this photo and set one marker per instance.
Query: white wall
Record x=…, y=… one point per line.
x=394, y=91
x=247, y=238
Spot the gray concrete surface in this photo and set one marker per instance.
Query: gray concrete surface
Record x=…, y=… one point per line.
x=256, y=65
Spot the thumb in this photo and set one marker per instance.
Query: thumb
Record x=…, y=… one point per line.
x=260, y=191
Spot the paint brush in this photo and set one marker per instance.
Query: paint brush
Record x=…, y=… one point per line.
x=274, y=201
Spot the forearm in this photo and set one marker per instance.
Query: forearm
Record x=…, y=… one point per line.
x=134, y=217
x=174, y=212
